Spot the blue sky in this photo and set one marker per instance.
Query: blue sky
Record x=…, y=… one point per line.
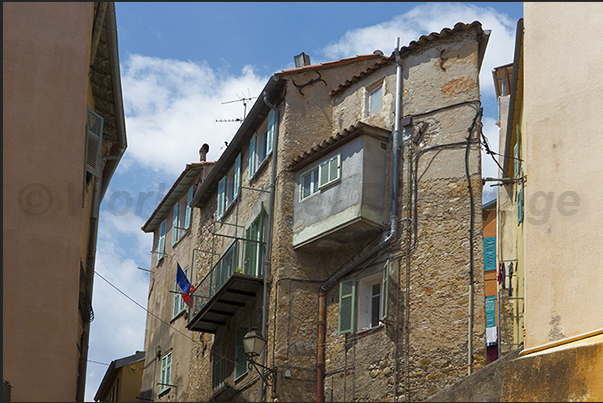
x=181, y=61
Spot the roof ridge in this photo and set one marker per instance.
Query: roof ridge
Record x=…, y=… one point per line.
x=459, y=26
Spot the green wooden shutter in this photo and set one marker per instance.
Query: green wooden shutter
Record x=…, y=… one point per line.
x=175, y=223
x=237, y=178
x=490, y=253
x=189, y=209
x=221, y=197
x=252, y=155
x=94, y=139
x=323, y=174
x=335, y=168
x=385, y=293
x=347, y=300
x=271, y=131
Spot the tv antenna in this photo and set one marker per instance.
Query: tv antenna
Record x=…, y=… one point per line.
x=245, y=101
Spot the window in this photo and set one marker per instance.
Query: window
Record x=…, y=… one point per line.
x=227, y=265
x=374, y=99
x=187, y=216
x=228, y=187
x=261, y=144
x=370, y=295
x=94, y=138
x=490, y=253
x=166, y=372
x=240, y=357
x=329, y=171
x=175, y=224
x=520, y=201
x=161, y=241
x=254, y=251
x=112, y=397
x=179, y=303
x=309, y=183
x=219, y=372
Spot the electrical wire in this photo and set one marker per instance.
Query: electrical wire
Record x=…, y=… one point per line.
x=158, y=318
x=96, y=362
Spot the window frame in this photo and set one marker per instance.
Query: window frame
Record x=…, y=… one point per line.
x=166, y=372
x=262, y=144
x=370, y=92
x=161, y=241
x=240, y=354
x=256, y=231
x=313, y=184
x=328, y=163
x=219, y=369
x=179, y=304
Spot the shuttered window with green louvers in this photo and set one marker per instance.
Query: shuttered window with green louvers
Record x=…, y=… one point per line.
x=347, y=297
x=94, y=139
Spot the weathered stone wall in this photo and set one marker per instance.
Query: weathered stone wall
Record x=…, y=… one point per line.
x=158, y=336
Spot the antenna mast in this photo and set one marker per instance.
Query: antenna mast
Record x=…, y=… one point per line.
x=245, y=101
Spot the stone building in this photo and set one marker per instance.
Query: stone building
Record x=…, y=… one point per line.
x=168, y=344
x=63, y=135
x=345, y=227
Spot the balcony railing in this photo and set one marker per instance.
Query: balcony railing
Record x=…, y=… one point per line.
x=234, y=278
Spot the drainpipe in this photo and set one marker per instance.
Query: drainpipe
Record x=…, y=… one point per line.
x=267, y=252
x=322, y=291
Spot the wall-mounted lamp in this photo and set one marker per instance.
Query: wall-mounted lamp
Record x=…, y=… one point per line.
x=254, y=343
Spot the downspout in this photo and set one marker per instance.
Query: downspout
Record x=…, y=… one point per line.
x=322, y=291
x=267, y=252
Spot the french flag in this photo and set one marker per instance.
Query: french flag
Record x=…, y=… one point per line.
x=184, y=284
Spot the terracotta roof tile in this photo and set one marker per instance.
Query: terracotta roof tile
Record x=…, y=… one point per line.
x=328, y=64
x=458, y=27
x=332, y=142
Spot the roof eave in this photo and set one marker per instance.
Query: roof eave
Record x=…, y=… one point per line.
x=274, y=85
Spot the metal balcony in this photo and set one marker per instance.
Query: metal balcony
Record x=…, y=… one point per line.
x=231, y=284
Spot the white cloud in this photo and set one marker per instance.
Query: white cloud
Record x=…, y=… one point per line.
x=172, y=106
x=428, y=18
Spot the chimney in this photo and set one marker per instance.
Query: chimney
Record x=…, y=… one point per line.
x=203, y=151
x=301, y=60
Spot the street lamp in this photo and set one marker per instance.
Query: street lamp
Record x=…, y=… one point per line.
x=254, y=343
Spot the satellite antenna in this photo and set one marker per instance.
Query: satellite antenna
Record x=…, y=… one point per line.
x=245, y=101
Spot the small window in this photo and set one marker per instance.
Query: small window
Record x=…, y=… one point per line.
x=161, y=241
x=260, y=146
x=179, y=303
x=253, y=263
x=228, y=187
x=219, y=368
x=240, y=357
x=329, y=171
x=374, y=99
x=189, y=199
x=309, y=183
x=175, y=224
x=166, y=372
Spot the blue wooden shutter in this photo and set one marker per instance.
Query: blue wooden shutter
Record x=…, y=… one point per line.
x=175, y=223
x=385, y=293
x=189, y=199
x=490, y=253
x=271, y=131
x=94, y=139
x=221, y=197
x=237, y=178
x=252, y=155
x=347, y=300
